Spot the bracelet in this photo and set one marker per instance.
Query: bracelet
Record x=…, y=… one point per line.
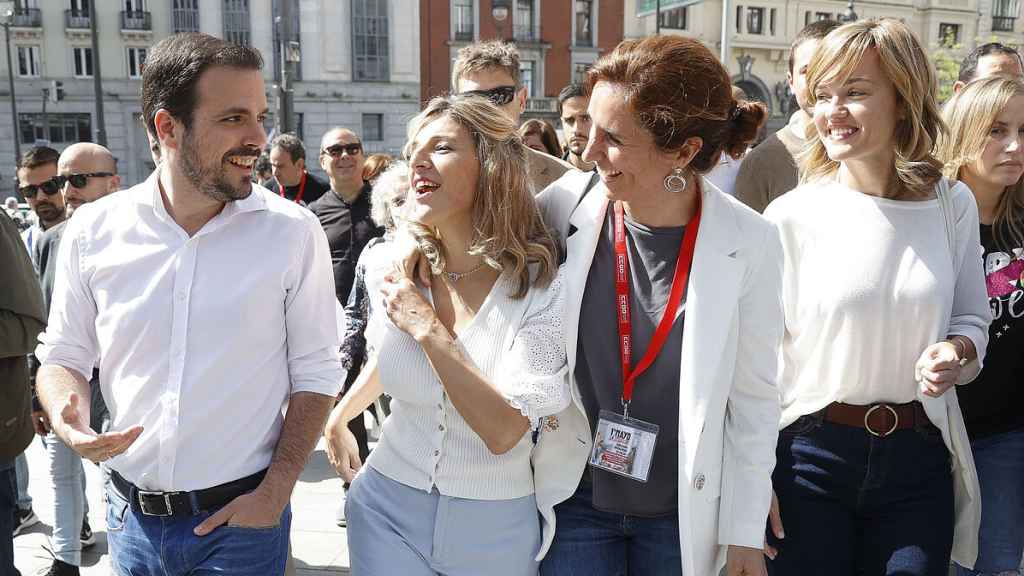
x=961, y=348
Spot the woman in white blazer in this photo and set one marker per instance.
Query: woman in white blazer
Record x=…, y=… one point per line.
x=662, y=112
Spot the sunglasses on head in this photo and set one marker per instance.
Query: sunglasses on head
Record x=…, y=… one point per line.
x=499, y=95
x=49, y=187
x=82, y=180
x=335, y=150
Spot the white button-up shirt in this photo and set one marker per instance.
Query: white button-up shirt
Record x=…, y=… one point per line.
x=202, y=339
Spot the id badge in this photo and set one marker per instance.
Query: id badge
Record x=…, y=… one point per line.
x=623, y=445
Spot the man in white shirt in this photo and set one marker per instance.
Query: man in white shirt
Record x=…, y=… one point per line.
x=208, y=303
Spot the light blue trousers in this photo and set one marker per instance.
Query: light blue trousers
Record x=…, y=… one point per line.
x=70, y=505
x=396, y=529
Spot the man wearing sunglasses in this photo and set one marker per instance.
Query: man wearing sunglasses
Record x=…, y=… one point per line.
x=38, y=185
x=491, y=69
x=344, y=213
x=86, y=173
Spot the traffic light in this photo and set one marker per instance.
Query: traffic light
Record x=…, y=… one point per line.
x=56, y=91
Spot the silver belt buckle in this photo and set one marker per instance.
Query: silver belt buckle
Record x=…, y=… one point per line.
x=146, y=510
x=895, y=420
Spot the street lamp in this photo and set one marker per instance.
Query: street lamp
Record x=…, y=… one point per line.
x=849, y=15
x=8, y=19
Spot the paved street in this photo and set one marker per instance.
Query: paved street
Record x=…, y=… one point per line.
x=319, y=547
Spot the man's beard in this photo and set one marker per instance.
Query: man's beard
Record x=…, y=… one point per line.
x=211, y=180
x=49, y=212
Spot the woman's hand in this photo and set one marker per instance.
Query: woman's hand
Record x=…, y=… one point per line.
x=406, y=307
x=409, y=260
x=775, y=522
x=938, y=369
x=342, y=448
x=743, y=561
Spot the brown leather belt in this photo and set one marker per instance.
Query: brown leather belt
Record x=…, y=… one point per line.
x=879, y=419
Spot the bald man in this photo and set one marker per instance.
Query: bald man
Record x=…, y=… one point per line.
x=344, y=213
x=87, y=173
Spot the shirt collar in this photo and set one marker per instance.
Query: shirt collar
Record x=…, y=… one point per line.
x=254, y=202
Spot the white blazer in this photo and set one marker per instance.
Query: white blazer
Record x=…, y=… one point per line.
x=728, y=400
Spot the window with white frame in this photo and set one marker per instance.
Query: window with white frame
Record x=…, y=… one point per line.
x=526, y=69
x=82, y=61
x=373, y=127
x=949, y=34
x=136, y=60
x=134, y=5
x=462, y=19
x=584, y=22
x=674, y=18
x=523, y=28
x=28, y=62
x=185, y=15
x=755, y=21
x=371, y=56
x=236, y=21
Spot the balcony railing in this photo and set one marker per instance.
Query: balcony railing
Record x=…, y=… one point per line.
x=137, y=20
x=27, y=18
x=1002, y=23
x=524, y=32
x=542, y=105
x=76, y=19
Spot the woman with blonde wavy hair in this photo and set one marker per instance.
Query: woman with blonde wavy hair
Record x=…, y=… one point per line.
x=472, y=364
x=985, y=150
x=885, y=311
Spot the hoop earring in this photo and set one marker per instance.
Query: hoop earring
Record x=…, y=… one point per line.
x=674, y=182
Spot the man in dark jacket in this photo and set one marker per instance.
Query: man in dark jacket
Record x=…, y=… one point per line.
x=21, y=320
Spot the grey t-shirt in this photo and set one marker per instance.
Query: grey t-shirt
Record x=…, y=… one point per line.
x=652, y=261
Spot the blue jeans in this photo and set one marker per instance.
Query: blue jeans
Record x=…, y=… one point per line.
x=165, y=546
x=8, y=497
x=69, y=501
x=854, y=504
x=21, y=477
x=1000, y=463
x=591, y=542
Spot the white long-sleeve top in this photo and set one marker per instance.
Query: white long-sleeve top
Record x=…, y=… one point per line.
x=201, y=339
x=517, y=344
x=869, y=283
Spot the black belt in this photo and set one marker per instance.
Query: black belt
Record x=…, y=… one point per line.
x=152, y=503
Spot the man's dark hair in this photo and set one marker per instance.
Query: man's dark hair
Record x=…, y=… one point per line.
x=174, y=66
x=263, y=165
x=38, y=156
x=814, y=31
x=571, y=91
x=969, y=66
x=291, y=144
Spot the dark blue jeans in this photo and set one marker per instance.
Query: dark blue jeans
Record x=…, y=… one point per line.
x=155, y=546
x=8, y=502
x=1000, y=462
x=853, y=504
x=589, y=542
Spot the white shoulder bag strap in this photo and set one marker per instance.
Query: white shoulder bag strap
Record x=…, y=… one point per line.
x=946, y=207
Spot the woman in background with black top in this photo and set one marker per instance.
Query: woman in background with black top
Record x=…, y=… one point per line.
x=985, y=150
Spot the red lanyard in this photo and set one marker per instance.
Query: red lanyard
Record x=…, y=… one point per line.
x=679, y=279
x=302, y=189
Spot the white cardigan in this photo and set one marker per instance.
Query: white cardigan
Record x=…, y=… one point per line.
x=728, y=401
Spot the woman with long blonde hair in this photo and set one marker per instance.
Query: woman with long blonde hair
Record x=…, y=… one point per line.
x=985, y=150
x=885, y=312
x=472, y=364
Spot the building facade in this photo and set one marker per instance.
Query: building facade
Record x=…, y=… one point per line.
x=760, y=32
x=557, y=41
x=359, y=69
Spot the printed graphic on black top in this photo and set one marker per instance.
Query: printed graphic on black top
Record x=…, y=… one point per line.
x=992, y=403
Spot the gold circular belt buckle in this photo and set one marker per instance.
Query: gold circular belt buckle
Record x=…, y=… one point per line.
x=895, y=420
